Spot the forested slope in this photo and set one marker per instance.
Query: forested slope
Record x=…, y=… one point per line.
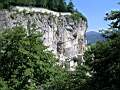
x=56, y=5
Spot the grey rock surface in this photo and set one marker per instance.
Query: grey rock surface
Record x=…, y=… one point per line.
x=64, y=36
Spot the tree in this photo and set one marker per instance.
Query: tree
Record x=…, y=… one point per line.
x=78, y=80
x=3, y=85
x=70, y=6
x=114, y=17
x=25, y=63
x=104, y=57
x=114, y=30
x=59, y=81
x=56, y=5
x=41, y=3
x=61, y=6
x=105, y=65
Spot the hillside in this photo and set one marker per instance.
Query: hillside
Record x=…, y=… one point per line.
x=92, y=37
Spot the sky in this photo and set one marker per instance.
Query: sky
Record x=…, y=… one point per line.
x=95, y=11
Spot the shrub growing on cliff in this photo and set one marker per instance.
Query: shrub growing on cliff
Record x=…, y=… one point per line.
x=77, y=16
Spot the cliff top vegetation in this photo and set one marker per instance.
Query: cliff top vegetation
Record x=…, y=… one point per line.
x=55, y=5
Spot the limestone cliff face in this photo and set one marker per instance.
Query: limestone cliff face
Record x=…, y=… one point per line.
x=63, y=35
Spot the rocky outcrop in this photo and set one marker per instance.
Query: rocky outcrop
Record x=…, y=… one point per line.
x=61, y=33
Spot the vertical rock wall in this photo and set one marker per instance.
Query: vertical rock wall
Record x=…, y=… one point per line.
x=63, y=35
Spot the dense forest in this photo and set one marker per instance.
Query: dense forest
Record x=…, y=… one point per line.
x=56, y=5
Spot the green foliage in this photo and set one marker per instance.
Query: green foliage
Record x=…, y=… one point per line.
x=70, y=6
x=58, y=82
x=105, y=65
x=78, y=80
x=3, y=85
x=56, y=5
x=77, y=16
x=114, y=17
x=104, y=57
x=4, y=4
x=114, y=29
x=1, y=5
x=25, y=62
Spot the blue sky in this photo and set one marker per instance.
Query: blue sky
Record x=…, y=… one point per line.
x=95, y=11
